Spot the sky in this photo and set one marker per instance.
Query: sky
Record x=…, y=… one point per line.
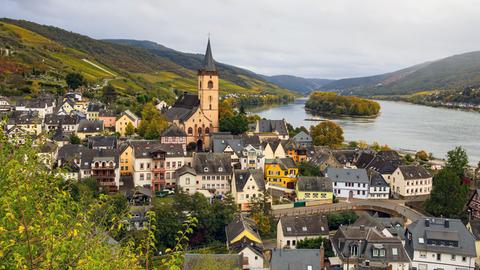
x=309, y=38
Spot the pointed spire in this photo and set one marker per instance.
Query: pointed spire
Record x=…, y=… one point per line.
x=208, y=62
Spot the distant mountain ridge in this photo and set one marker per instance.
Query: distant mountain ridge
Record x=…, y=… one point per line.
x=451, y=73
x=298, y=84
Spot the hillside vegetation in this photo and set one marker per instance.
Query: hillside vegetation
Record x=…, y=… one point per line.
x=40, y=57
x=333, y=104
x=452, y=73
x=298, y=84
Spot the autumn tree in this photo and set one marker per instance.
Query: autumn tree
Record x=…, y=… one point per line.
x=261, y=211
x=153, y=123
x=327, y=133
x=43, y=226
x=129, y=129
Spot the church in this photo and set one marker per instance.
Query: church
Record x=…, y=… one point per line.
x=197, y=114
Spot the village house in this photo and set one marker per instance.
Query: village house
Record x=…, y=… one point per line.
x=288, y=259
x=214, y=171
x=197, y=114
x=108, y=118
x=368, y=248
x=126, y=158
x=247, y=185
x=174, y=135
x=411, y=180
x=252, y=158
x=273, y=148
x=291, y=229
x=379, y=188
x=187, y=179
x=126, y=118
x=323, y=159
x=142, y=162
x=243, y=238
x=43, y=105
x=93, y=111
x=303, y=139
x=282, y=172
x=102, y=142
x=68, y=123
x=229, y=144
x=297, y=152
x=88, y=128
x=440, y=243
x=266, y=129
x=5, y=104
x=314, y=188
x=349, y=183
x=27, y=121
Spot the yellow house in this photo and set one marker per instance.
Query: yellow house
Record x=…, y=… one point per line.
x=314, y=188
x=125, y=118
x=126, y=159
x=282, y=172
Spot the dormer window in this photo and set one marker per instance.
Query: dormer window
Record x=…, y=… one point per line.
x=304, y=229
x=289, y=229
x=220, y=169
x=205, y=169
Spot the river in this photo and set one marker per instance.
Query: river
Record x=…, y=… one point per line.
x=401, y=125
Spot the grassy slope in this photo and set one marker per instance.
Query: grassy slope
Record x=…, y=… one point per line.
x=139, y=70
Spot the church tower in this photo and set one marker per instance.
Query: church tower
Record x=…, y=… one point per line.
x=208, y=89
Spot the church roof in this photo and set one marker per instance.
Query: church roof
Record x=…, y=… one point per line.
x=183, y=108
x=208, y=62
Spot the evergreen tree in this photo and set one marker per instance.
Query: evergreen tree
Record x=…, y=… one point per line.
x=448, y=196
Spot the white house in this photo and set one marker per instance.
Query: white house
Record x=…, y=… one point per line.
x=246, y=185
x=252, y=158
x=411, y=180
x=349, y=183
x=379, y=188
x=186, y=179
x=291, y=229
x=439, y=243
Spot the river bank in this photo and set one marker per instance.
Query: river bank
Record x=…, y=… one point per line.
x=435, y=104
x=400, y=125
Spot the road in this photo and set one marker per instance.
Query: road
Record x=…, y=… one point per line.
x=388, y=206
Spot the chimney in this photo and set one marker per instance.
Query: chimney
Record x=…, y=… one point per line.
x=447, y=223
x=427, y=222
x=322, y=257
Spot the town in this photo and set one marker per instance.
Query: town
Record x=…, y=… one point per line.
x=272, y=196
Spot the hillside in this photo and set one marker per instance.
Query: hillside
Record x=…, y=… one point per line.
x=298, y=84
x=451, y=73
x=43, y=55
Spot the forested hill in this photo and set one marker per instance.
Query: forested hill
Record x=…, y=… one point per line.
x=298, y=84
x=133, y=70
x=452, y=73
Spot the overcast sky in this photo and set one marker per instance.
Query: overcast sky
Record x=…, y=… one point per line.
x=310, y=38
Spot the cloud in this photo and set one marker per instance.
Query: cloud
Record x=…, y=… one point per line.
x=311, y=38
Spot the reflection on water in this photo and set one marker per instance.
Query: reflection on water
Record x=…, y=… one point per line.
x=400, y=125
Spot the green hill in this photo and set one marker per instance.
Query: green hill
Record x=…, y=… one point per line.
x=451, y=73
x=298, y=84
x=42, y=56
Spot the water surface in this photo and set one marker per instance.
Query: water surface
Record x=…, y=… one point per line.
x=401, y=125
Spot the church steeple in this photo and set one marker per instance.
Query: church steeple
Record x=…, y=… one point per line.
x=208, y=62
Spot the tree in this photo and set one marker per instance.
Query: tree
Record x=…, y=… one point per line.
x=327, y=133
x=153, y=123
x=422, y=155
x=34, y=200
x=129, y=129
x=109, y=94
x=74, y=80
x=457, y=160
x=74, y=139
x=261, y=210
x=316, y=243
x=192, y=146
x=307, y=169
x=230, y=121
x=448, y=196
x=343, y=218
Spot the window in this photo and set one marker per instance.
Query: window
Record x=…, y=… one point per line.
x=207, y=130
x=354, y=250
x=453, y=257
x=423, y=254
x=439, y=257
x=293, y=242
x=141, y=166
x=394, y=251
x=210, y=84
x=187, y=181
x=190, y=130
x=288, y=242
x=464, y=259
x=199, y=131
x=142, y=177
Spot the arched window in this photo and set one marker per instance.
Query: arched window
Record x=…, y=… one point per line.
x=210, y=106
x=199, y=131
x=103, y=164
x=210, y=98
x=190, y=130
x=207, y=130
x=210, y=84
x=96, y=164
x=200, y=84
x=353, y=250
x=110, y=164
